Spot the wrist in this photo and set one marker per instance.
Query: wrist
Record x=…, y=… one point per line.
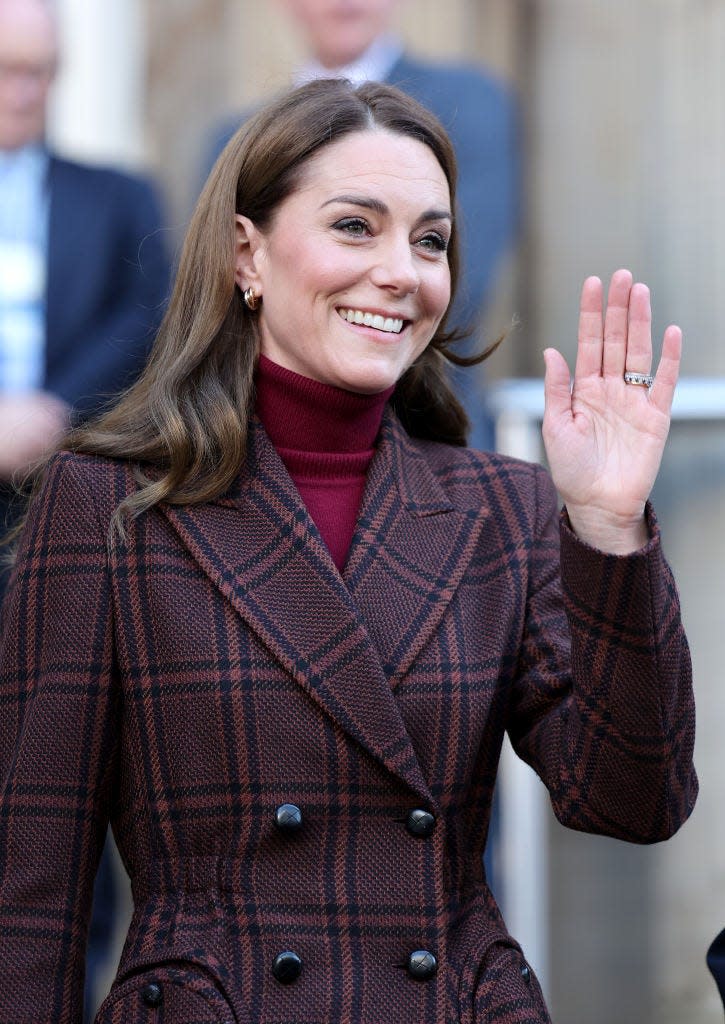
x=608, y=531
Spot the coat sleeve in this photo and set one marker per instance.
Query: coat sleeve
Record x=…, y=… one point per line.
x=602, y=706
x=57, y=750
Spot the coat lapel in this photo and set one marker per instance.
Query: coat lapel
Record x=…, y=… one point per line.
x=411, y=548
x=264, y=553
x=342, y=639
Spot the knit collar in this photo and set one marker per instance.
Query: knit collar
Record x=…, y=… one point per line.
x=303, y=414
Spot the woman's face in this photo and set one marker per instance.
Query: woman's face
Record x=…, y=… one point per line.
x=353, y=272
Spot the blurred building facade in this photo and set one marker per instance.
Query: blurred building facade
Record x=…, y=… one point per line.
x=624, y=145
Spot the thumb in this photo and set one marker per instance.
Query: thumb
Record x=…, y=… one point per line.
x=557, y=385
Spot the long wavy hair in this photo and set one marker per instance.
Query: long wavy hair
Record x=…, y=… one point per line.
x=183, y=425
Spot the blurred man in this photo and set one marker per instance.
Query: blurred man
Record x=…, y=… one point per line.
x=83, y=276
x=82, y=269
x=353, y=39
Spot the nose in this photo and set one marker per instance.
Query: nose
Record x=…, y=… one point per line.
x=395, y=269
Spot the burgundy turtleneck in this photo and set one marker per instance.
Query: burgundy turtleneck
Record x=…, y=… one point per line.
x=326, y=438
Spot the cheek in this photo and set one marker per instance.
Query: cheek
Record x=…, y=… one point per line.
x=300, y=267
x=438, y=294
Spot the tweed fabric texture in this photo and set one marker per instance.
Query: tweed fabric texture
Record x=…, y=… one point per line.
x=217, y=665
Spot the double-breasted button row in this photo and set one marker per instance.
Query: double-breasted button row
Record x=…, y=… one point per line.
x=287, y=966
x=420, y=823
x=421, y=963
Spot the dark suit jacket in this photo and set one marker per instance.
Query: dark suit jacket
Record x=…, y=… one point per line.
x=217, y=666
x=108, y=277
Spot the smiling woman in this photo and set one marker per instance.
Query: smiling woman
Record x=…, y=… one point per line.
x=272, y=618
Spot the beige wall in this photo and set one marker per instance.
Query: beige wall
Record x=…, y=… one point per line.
x=627, y=141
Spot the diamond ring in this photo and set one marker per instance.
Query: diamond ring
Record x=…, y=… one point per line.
x=644, y=380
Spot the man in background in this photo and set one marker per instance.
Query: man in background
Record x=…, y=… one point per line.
x=83, y=276
x=354, y=39
x=83, y=273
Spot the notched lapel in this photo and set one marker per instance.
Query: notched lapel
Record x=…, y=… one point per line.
x=261, y=549
x=411, y=548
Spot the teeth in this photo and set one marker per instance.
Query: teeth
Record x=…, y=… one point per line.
x=390, y=324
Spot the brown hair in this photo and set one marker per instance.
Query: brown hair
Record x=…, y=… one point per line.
x=184, y=422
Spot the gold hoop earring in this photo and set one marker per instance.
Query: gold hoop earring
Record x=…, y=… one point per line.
x=250, y=299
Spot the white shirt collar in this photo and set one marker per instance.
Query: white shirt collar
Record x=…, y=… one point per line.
x=374, y=65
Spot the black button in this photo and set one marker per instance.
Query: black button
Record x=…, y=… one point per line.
x=422, y=965
x=288, y=817
x=287, y=967
x=152, y=995
x=420, y=823
x=526, y=973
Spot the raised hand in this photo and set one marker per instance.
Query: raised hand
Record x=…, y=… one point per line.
x=604, y=438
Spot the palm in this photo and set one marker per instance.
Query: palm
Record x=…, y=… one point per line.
x=604, y=438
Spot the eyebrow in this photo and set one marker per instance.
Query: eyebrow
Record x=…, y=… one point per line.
x=377, y=206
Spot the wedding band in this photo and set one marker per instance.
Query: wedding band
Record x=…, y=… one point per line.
x=645, y=380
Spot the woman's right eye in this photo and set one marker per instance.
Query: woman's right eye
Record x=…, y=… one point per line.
x=354, y=226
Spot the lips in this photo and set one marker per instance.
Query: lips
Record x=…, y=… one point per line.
x=387, y=324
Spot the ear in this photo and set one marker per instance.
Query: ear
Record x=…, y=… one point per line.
x=247, y=253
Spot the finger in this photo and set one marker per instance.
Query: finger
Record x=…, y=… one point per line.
x=615, y=324
x=639, y=340
x=663, y=390
x=557, y=386
x=589, y=351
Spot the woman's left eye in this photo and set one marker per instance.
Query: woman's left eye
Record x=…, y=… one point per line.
x=434, y=241
x=354, y=226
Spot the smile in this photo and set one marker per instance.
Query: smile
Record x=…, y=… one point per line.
x=389, y=324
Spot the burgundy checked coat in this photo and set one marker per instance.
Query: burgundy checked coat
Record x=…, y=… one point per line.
x=217, y=667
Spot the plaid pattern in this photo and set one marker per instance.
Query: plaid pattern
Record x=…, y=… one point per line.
x=217, y=666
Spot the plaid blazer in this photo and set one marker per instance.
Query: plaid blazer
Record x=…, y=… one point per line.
x=298, y=766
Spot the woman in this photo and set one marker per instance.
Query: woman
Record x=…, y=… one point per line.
x=280, y=654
